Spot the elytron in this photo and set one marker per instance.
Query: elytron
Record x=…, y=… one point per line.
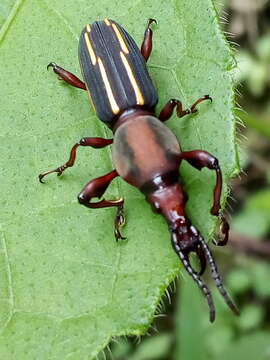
x=146, y=154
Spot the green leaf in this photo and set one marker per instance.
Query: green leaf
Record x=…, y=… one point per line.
x=66, y=286
x=6, y=10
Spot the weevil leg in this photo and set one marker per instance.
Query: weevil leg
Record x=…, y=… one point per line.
x=67, y=76
x=167, y=110
x=146, y=47
x=200, y=159
x=94, y=142
x=96, y=188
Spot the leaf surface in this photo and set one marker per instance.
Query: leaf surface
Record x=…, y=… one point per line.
x=66, y=286
x=6, y=8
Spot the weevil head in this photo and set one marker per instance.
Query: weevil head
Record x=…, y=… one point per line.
x=167, y=197
x=186, y=239
x=170, y=201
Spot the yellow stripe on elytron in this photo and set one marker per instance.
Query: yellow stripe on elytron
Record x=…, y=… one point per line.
x=139, y=97
x=120, y=38
x=90, y=98
x=90, y=49
x=88, y=27
x=107, y=22
x=114, y=106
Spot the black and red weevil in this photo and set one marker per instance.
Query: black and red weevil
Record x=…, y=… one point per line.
x=146, y=154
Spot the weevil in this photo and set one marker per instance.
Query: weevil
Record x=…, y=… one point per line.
x=146, y=154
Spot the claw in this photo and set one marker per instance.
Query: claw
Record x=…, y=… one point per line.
x=224, y=230
x=151, y=21
x=193, y=108
x=118, y=235
x=51, y=64
x=207, y=97
x=40, y=177
x=119, y=221
x=59, y=171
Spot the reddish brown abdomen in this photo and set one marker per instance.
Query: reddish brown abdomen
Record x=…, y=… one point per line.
x=143, y=149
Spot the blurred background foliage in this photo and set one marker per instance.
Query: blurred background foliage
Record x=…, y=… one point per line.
x=185, y=332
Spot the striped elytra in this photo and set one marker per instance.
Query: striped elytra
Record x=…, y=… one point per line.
x=114, y=70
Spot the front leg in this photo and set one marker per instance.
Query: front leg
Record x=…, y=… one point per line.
x=67, y=76
x=96, y=188
x=94, y=142
x=146, y=47
x=200, y=159
x=167, y=110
